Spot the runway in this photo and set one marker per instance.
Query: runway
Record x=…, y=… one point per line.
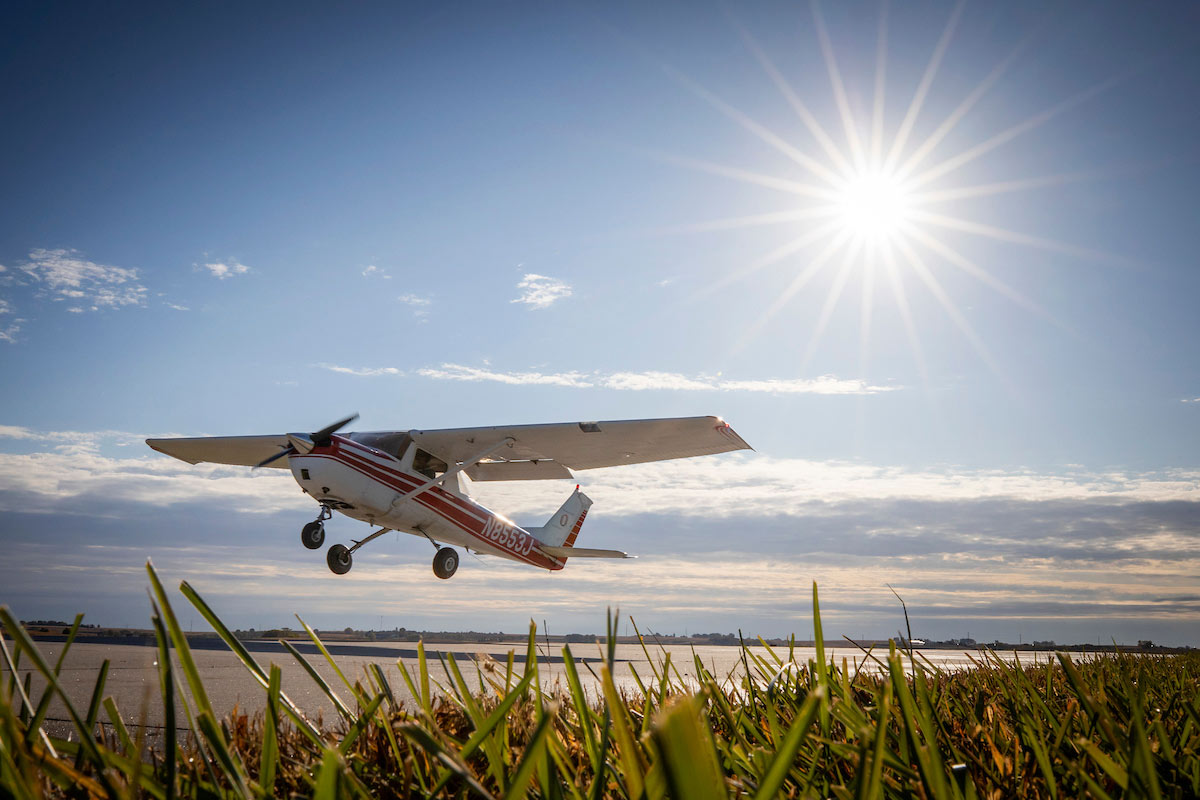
x=133, y=680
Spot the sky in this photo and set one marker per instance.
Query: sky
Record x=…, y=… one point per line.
x=935, y=262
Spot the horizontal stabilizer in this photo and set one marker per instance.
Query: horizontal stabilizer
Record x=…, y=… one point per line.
x=582, y=552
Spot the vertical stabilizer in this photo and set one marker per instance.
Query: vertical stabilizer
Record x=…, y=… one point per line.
x=563, y=527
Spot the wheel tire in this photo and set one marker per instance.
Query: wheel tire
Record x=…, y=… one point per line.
x=445, y=563
x=312, y=535
x=339, y=559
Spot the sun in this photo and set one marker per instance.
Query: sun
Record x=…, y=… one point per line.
x=873, y=205
x=879, y=204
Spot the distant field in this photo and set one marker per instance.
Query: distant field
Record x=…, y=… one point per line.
x=593, y=721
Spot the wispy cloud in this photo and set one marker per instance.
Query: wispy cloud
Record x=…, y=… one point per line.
x=1190, y=400
x=373, y=271
x=176, y=306
x=222, y=270
x=457, y=372
x=362, y=372
x=65, y=276
x=541, y=291
x=654, y=380
x=414, y=300
x=9, y=331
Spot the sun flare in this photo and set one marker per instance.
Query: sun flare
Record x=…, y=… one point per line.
x=873, y=205
x=882, y=201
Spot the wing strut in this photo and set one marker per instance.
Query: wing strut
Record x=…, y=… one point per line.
x=452, y=471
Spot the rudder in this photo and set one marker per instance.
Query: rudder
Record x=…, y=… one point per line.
x=563, y=528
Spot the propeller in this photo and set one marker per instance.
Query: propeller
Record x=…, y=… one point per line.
x=304, y=442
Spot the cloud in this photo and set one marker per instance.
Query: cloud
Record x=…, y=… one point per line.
x=457, y=372
x=640, y=381
x=74, y=476
x=757, y=485
x=1190, y=400
x=9, y=332
x=221, y=270
x=414, y=300
x=64, y=275
x=1066, y=556
x=362, y=372
x=541, y=291
x=752, y=485
x=374, y=271
x=177, y=307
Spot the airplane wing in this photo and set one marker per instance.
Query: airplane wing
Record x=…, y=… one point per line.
x=588, y=445
x=243, y=451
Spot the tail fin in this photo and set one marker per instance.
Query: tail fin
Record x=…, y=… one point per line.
x=563, y=527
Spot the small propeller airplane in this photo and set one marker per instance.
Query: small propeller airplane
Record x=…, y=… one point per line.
x=411, y=481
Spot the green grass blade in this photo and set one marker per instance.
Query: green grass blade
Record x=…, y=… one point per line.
x=360, y=724
x=633, y=761
x=22, y=640
x=785, y=756
x=687, y=753
x=291, y=709
x=269, y=755
x=179, y=639
x=118, y=724
x=338, y=704
x=44, y=703
x=332, y=663
x=226, y=759
x=329, y=777
x=535, y=751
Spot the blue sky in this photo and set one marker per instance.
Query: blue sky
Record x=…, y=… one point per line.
x=977, y=381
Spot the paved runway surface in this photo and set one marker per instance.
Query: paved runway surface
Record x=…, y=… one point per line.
x=134, y=685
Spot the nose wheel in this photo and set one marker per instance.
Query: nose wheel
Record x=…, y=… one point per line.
x=312, y=535
x=445, y=563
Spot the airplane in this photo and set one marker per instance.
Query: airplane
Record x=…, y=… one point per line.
x=411, y=481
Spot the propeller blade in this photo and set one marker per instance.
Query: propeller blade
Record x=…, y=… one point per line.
x=321, y=437
x=287, y=451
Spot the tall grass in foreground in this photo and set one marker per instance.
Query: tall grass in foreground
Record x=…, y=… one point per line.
x=1120, y=726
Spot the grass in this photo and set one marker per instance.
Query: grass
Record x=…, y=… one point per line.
x=1122, y=726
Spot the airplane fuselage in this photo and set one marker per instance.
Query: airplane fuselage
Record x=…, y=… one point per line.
x=370, y=485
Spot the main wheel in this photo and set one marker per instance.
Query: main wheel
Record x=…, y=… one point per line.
x=445, y=563
x=339, y=560
x=313, y=535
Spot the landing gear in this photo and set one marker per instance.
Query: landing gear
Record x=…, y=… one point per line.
x=445, y=563
x=339, y=559
x=312, y=535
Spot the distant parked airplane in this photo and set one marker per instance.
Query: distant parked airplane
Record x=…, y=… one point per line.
x=410, y=481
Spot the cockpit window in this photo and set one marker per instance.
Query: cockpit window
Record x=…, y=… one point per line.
x=428, y=464
x=393, y=444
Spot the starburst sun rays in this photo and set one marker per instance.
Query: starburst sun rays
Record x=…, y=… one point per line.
x=874, y=202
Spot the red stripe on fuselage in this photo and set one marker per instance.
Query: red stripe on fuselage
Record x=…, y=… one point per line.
x=459, y=512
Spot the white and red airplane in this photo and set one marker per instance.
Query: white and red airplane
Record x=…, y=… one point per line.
x=411, y=481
